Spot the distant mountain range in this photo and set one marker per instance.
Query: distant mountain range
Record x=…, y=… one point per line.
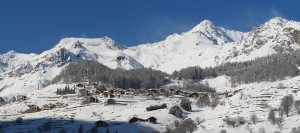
x=205, y=45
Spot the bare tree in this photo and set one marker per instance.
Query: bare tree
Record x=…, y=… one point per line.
x=271, y=116
x=253, y=118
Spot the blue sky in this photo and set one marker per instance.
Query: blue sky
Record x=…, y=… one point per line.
x=33, y=26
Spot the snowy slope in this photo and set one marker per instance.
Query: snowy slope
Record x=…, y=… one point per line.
x=251, y=100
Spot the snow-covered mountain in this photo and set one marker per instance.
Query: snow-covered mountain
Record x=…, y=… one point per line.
x=205, y=45
x=197, y=47
x=276, y=35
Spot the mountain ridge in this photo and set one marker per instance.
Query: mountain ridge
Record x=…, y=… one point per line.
x=204, y=45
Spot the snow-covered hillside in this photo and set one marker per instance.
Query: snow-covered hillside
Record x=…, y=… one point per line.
x=205, y=45
x=255, y=98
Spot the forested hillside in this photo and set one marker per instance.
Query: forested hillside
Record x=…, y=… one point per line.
x=96, y=72
x=270, y=68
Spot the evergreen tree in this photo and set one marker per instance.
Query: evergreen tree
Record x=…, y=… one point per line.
x=186, y=104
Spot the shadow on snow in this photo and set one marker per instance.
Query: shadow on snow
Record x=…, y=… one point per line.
x=52, y=125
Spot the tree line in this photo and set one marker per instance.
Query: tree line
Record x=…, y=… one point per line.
x=64, y=91
x=96, y=72
x=270, y=68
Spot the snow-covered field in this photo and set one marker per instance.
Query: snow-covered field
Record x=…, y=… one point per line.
x=255, y=98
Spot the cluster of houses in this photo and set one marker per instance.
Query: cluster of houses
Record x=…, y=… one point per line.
x=88, y=90
x=214, y=94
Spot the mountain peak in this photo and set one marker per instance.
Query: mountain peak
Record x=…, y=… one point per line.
x=205, y=24
x=11, y=52
x=107, y=40
x=277, y=21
